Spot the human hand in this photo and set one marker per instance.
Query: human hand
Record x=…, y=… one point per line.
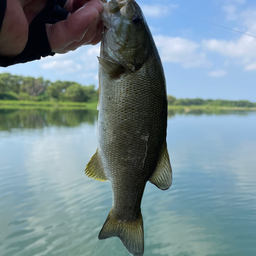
x=82, y=26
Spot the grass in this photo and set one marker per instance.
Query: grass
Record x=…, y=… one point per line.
x=13, y=104
x=18, y=104
x=207, y=107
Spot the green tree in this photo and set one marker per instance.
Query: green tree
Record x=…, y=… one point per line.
x=57, y=89
x=76, y=93
x=171, y=99
x=4, y=82
x=33, y=86
x=91, y=94
x=10, y=82
x=189, y=102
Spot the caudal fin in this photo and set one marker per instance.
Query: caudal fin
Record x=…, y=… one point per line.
x=130, y=233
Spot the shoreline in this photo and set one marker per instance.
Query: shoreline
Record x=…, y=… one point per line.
x=209, y=108
x=10, y=104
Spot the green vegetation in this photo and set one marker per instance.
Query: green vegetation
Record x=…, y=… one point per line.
x=19, y=88
x=208, y=104
x=18, y=104
x=18, y=92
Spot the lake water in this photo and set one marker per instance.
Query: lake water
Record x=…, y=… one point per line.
x=49, y=207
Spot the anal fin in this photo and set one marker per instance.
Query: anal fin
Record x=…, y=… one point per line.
x=162, y=176
x=94, y=168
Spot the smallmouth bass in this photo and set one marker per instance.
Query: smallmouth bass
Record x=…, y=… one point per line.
x=132, y=121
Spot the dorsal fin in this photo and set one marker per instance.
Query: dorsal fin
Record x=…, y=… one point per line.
x=94, y=168
x=162, y=176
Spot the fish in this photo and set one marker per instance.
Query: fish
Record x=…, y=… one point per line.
x=132, y=121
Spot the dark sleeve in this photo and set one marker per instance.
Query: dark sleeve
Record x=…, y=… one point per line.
x=38, y=44
x=2, y=12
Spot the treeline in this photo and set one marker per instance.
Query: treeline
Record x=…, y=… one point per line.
x=14, y=87
x=172, y=101
x=28, y=88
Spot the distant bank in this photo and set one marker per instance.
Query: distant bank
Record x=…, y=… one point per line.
x=19, y=92
x=192, y=104
x=18, y=104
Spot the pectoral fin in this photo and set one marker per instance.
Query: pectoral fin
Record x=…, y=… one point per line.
x=94, y=168
x=162, y=176
x=111, y=68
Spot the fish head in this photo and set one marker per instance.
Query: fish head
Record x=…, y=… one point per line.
x=127, y=40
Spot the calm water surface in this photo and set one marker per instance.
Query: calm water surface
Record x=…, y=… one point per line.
x=49, y=207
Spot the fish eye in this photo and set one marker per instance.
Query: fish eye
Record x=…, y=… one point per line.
x=137, y=20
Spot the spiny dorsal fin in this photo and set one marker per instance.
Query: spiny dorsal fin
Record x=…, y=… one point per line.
x=111, y=68
x=130, y=233
x=162, y=176
x=94, y=168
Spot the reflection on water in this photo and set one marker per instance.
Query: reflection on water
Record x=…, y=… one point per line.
x=35, y=118
x=208, y=112
x=49, y=207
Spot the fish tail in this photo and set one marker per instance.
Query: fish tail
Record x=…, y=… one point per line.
x=130, y=233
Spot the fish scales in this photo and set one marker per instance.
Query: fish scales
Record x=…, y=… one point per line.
x=128, y=143
x=132, y=122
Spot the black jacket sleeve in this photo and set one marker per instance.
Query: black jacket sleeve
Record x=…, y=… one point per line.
x=37, y=45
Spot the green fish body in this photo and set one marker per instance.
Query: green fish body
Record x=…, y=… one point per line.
x=132, y=121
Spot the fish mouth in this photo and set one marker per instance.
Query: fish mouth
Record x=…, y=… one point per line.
x=116, y=6
x=111, y=9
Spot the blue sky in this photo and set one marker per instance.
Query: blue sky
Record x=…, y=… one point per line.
x=200, y=60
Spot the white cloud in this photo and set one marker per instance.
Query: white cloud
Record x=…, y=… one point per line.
x=157, y=10
x=91, y=75
x=241, y=51
x=231, y=8
x=217, y=73
x=226, y=63
x=231, y=11
x=66, y=66
x=248, y=18
x=89, y=57
x=251, y=67
x=62, y=63
x=82, y=61
x=180, y=50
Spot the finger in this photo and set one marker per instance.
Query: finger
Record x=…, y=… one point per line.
x=73, y=29
x=93, y=36
x=98, y=35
